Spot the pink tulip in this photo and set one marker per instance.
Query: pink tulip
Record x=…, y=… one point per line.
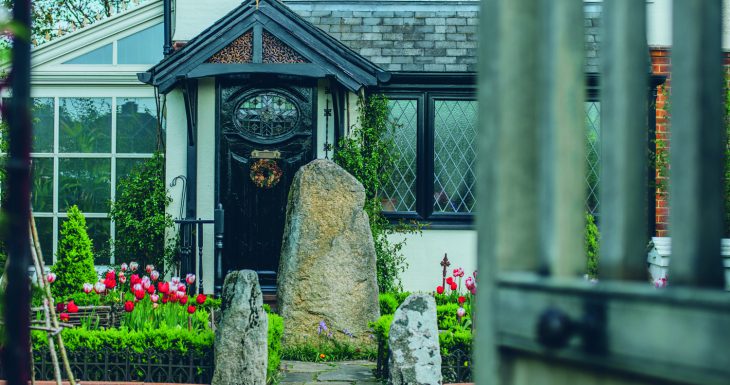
x=88, y=288
x=181, y=294
x=99, y=287
x=469, y=283
x=175, y=281
x=181, y=287
x=137, y=287
x=122, y=278
x=190, y=279
x=459, y=272
x=133, y=266
x=149, y=268
x=473, y=290
x=155, y=305
x=155, y=275
x=460, y=312
x=474, y=274
x=154, y=297
x=123, y=267
x=50, y=277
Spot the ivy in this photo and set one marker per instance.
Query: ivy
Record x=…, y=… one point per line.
x=592, y=238
x=139, y=215
x=369, y=154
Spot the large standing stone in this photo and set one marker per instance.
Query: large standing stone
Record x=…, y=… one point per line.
x=414, y=343
x=327, y=268
x=241, y=337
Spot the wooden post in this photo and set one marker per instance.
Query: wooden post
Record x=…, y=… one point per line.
x=17, y=358
x=695, y=185
x=623, y=140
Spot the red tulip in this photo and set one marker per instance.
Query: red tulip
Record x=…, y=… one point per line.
x=110, y=275
x=60, y=307
x=461, y=299
x=151, y=289
x=181, y=287
x=110, y=283
x=139, y=294
x=450, y=280
x=63, y=317
x=183, y=300
x=191, y=309
x=128, y=306
x=165, y=299
x=200, y=299
x=163, y=287
x=134, y=279
x=72, y=307
x=453, y=286
x=440, y=289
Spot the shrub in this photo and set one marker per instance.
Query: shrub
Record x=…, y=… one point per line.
x=75, y=265
x=139, y=215
x=388, y=303
x=592, y=238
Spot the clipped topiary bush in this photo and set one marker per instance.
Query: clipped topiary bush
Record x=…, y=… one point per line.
x=75, y=265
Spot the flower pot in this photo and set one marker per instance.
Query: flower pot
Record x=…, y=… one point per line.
x=658, y=258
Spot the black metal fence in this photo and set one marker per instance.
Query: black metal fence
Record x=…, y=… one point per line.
x=193, y=367
x=455, y=366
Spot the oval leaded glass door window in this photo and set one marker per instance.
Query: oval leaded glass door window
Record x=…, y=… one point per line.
x=266, y=115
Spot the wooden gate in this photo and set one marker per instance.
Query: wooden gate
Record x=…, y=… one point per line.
x=538, y=320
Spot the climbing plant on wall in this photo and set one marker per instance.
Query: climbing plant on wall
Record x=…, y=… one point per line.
x=369, y=154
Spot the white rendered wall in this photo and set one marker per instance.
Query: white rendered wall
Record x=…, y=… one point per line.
x=206, y=173
x=176, y=141
x=424, y=253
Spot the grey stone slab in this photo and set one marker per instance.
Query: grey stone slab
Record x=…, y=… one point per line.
x=328, y=383
x=348, y=373
x=301, y=366
x=298, y=376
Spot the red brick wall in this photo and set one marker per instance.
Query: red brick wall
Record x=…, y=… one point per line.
x=661, y=65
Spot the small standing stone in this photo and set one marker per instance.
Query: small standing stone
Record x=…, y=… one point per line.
x=414, y=343
x=241, y=337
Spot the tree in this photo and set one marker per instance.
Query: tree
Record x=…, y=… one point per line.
x=75, y=265
x=54, y=18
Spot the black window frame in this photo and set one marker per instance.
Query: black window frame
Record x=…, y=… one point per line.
x=426, y=89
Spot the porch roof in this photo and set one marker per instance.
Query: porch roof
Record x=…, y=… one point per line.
x=326, y=56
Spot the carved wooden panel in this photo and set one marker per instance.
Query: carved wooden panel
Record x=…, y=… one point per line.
x=275, y=51
x=239, y=51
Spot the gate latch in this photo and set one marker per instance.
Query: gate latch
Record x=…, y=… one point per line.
x=266, y=154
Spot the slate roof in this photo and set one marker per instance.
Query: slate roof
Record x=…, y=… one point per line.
x=431, y=36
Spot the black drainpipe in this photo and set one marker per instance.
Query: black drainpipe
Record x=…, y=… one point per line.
x=167, y=20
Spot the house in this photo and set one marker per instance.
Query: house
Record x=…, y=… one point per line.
x=234, y=82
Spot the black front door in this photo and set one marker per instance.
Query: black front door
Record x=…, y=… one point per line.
x=270, y=130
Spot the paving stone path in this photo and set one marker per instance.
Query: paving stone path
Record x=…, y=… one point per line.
x=331, y=373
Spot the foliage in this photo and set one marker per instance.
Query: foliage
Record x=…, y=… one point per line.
x=147, y=316
x=369, y=154
x=592, y=239
x=324, y=349
x=75, y=265
x=276, y=329
x=660, y=157
x=54, y=18
x=139, y=215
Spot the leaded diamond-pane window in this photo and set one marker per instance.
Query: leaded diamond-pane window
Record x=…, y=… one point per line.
x=399, y=193
x=267, y=115
x=454, y=155
x=593, y=155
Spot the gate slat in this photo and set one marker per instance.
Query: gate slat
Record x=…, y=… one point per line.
x=623, y=141
x=562, y=138
x=695, y=191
